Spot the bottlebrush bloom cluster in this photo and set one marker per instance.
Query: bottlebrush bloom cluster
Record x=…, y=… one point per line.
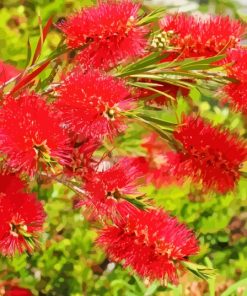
x=151, y=243
x=236, y=92
x=111, y=31
x=30, y=134
x=21, y=217
x=210, y=155
x=109, y=191
x=197, y=37
x=93, y=110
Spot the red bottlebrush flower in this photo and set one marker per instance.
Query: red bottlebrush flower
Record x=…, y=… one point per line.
x=237, y=68
x=17, y=291
x=21, y=218
x=236, y=63
x=110, y=30
x=7, y=72
x=197, y=37
x=91, y=103
x=236, y=95
x=210, y=155
x=151, y=243
x=108, y=190
x=31, y=134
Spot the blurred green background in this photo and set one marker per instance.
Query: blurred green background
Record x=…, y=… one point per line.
x=68, y=263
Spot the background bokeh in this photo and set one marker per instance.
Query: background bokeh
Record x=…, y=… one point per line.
x=68, y=263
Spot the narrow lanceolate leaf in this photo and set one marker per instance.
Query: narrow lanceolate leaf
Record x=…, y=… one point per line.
x=234, y=288
x=29, y=78
x=201, y=271
x=41, y=41
x=151, y=87
x=162, y=123
x=29, y=52
x=147, y=63
x=46, y=83
x=42, y=65
x=199, y=67
x=171, y=79
x=165, y=134
x=189, y=63
x=153, y=16
x=140, y=202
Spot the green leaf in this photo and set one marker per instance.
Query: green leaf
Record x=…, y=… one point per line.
x=153, y=16
x=233, y=288
x=29, y=52
x=204, y=61
x=146, y=85
x=198, y=67
x=140, y=201
x=147, y=63
x=201, y=271
x=43, y=34
x=162, y=123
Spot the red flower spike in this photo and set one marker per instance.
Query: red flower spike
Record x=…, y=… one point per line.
x=236, y=95
x=236, y=63
x=21, y=218
x=111, y=31
x=197, y=37
x=93, y=109
x=210, y=155
x=31, y=134
x=236, y=66
x=151, y=243
x=108, y=189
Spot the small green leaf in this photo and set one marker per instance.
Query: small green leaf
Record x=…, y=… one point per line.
x=153, y=16
x=201, y=271
x=160, y=122
x=233, y=288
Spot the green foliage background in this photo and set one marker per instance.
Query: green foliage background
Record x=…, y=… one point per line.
x=68, y=263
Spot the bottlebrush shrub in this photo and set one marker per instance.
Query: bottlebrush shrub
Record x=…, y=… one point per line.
x=71, y=125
